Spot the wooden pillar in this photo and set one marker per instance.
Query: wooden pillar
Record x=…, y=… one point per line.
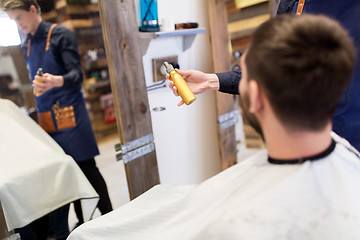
x=221, y=60
x=120, y=31
x=4, y=234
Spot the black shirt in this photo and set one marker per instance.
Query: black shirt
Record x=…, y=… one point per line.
x=64, y=47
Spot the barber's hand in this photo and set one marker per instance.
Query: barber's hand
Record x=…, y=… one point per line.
x=46, y=82
x=198, y=82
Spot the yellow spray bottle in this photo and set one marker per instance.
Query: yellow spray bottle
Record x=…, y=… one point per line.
x=183, y=89
x=39, y=73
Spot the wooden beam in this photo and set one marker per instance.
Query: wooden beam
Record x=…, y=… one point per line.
x=4, y=234
x=222, y=60
x=127, y=79
x=231, y=8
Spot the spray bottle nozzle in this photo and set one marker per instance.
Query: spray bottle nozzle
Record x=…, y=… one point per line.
x=168, y=67
x=39, y=72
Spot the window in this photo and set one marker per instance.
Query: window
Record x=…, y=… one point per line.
x=9, y=31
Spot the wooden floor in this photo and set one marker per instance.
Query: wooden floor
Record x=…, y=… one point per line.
x=114, y=174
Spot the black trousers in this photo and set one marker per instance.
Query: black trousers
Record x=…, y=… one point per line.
x=95, y=178
x=53, y=225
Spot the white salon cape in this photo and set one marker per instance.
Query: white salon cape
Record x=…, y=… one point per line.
x=252, y=200
x=36, y=176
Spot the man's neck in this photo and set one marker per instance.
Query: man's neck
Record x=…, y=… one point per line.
x=36, y=25
x=283, y=144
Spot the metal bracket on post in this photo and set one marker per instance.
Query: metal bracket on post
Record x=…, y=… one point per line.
x=135, y=149
x=229, y=119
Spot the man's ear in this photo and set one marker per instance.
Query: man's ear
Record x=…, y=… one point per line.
x=33, y=9
x=256, y=101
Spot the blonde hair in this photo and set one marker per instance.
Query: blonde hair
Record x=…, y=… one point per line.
x=19, y=4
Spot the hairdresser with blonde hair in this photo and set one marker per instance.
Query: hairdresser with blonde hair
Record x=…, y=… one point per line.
x=60, y=104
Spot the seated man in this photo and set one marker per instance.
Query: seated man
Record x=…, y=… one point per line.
x=305, y=186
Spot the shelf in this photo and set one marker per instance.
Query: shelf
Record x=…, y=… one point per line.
x=105, y=126
x=49, y=16
x=243, y=4
x=72, y=24
x=98, y=64
x=188, y=36
x=100, y=84
x=72, y=8
x=246, y=27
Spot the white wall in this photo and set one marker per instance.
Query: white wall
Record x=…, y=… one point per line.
x=200, y=56
x=186, y=138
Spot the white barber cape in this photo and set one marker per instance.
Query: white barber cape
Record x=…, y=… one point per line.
x=36, y=176
x=252, y=200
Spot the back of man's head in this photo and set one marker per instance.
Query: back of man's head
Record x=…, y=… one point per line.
x=18, y=4
x=303, y=64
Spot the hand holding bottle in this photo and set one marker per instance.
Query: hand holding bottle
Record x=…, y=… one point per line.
x=45, y=82
x=197, y=81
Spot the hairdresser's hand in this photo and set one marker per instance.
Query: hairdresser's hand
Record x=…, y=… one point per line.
x=198, y=82
x=46, y=82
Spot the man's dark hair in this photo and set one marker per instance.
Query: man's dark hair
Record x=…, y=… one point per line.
x=303, y=63
x=19, y=4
